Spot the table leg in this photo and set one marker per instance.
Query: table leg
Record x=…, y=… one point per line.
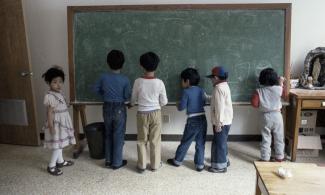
x=297, y=112
x=77, y=109
x=257, y=190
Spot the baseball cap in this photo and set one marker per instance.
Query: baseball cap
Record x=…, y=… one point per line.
x=218, y=71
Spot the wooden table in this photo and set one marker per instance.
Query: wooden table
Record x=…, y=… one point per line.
x=307, y=178
x=301, y=99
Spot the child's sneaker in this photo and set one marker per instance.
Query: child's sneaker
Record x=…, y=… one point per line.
x=160, y=165
x=172, y=162
x=108, y=164
x=140, y=170
x=215, y=170
x=199, y=169
x=124, y=162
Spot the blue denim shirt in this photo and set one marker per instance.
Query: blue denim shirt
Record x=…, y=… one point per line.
x=193, y=99
x=113, y=87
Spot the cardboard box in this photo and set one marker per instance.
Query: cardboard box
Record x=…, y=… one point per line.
x=309, y=146
x=307, y=153
x=308, y=122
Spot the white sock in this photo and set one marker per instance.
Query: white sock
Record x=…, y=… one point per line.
x=60, y=157
x=55, y=156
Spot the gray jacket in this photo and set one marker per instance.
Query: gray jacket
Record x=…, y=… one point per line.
x=270, y=98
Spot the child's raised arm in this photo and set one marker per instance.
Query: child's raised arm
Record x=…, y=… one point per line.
x=127, y=92
x=255, y=99
x=183, y=103
x=163, y=95
x=135, y=91
x=97, y=87
x=207, y=98
x=282, y=83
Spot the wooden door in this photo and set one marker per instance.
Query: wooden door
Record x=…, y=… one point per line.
x=17, y=108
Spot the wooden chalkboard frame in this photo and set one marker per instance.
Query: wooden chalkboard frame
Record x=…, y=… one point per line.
x=71, y=10
x=79, y=107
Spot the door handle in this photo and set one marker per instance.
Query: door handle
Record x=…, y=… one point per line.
x=26, y=73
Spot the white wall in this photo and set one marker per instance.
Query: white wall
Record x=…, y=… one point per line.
x=46, y=27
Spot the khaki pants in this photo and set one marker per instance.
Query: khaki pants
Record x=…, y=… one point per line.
x=149, y=129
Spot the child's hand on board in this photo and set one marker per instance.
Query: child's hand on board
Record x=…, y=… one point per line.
x=281, y=80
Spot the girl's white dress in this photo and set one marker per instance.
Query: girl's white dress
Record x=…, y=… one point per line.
x=64, y=133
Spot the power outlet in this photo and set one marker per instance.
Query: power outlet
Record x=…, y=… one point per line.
x=166, y=118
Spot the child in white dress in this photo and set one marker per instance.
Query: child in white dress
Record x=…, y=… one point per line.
x=58, y=129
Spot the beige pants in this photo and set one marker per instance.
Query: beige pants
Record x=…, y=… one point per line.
x=149, y=129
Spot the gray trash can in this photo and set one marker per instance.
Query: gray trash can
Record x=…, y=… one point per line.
x=95, y=138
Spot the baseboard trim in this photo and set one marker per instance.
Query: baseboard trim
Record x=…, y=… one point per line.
x=178, y=137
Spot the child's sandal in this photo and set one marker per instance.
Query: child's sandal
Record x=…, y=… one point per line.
x=54, y=171
x=65, y=163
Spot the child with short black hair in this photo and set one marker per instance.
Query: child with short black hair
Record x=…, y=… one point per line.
x=150, y=94
x=193, y=100
x=58, y=130
x=221, y=118
x=267, y=99
x=115, y=90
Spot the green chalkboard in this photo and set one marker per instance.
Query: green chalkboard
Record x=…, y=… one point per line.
x=242, y=40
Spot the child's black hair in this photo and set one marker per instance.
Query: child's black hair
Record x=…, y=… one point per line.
x=115, y=59
x=52, y=73
x=149, y=61
x=268, y=77
x=192, y=75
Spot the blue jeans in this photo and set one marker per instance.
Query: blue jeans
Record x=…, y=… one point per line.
x=114, y=114
x=219, y=148
x=195, y=129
